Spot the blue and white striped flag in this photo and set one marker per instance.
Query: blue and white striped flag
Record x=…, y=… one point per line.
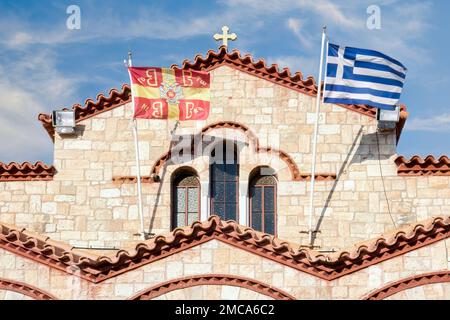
x=361, y=76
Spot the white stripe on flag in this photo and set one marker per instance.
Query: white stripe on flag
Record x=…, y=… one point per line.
x=379, y=60
x=359, y=96
x=377, y=73
x=363, y=84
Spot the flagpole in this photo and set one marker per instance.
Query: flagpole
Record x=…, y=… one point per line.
x=138, y=167
x=314, y=143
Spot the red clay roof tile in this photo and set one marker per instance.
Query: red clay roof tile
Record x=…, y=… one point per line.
x=417, y=166
x=26, y=171
x=212, y=60
x=327, y=267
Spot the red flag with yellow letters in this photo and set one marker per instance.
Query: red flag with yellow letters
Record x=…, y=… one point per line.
x=163, y=93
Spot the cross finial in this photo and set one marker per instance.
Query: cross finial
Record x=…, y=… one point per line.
x=225, y=36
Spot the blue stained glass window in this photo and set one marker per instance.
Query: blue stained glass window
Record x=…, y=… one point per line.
x=256, y=220
x=218, y=193
x=186, y=207
x=263, y=203
x=230, y=210
x=257, y=199
x=219, y=209
x=269, y=222
x=269, y=198
x=224, y=182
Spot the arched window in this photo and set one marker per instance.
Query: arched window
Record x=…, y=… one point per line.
x=185, y=198
x=263, y=202
x=224, y=170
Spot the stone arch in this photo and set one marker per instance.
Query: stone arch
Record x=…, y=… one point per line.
x=408, y=283
x=284, y=156
x=25, y=289
x=212, y=279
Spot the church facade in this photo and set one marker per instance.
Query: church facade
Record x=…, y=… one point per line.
x=226, y=201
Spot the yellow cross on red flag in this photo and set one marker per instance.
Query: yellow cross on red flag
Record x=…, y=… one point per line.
x=164, y=93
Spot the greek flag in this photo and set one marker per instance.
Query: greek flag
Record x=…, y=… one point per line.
x=361, y=76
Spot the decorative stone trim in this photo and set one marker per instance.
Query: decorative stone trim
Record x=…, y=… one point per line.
x=284, y=156
x=417, y=166
x=25, y=289
x=133, y=179
x=26, y=171
x=329, y=267
x=408, y=283
x=212, y=279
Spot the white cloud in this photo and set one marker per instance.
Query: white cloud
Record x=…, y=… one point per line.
x=28, y=86
x=296, y=26
x=327, y=10
x=305, y=65
x=440, y=123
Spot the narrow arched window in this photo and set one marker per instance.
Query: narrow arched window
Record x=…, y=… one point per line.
x=263, y=203
x=224, y=171
x=185, y=199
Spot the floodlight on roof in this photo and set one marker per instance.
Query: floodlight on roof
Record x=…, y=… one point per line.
x=64, y=121
x=387, y=119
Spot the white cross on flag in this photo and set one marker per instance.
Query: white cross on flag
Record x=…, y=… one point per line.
x=361, y=76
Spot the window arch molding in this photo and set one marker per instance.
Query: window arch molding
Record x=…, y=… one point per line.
x=185, y=197
x=262, y=191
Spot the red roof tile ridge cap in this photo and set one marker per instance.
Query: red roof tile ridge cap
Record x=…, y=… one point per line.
x=258, y=64
x=161, y=240
x=389, y=239
x=88, y=103
x=67, y=254
x=24, y=165
x=275, y=244
x=44, y=242
x=421, y=160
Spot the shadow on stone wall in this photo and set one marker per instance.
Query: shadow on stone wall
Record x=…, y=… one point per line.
x=373, y=146
x=338, y=177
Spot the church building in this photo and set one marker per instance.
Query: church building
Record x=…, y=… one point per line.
x=226, y=201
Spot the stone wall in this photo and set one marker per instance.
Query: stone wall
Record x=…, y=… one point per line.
x=215, y=257
x=435, y=291
x=83, y=206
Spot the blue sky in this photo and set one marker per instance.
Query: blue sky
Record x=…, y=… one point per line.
x=45, y=66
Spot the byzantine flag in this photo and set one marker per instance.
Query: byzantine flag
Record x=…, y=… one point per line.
x=163, y=93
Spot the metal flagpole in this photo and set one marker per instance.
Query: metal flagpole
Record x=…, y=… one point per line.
x=138, y=167
x=314, y=144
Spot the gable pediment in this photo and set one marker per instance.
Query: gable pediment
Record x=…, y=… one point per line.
x=214, y=60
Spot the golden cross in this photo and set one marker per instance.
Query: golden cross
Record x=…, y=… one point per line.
x=225, y=36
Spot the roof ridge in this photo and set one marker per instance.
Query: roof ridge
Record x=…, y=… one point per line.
x=97, y=268
x=417, y=165
x=26, y=171
x=212, y=60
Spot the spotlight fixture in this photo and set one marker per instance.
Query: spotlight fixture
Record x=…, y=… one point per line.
x=64, y=121
x=387, y=119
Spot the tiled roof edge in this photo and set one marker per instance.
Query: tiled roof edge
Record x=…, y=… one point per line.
x=212, y=60
x=328, y=267
x=26, y=171
x=91, y=108
x=418, y=166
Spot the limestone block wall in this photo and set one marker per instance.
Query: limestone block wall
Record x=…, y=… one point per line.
x=84, y=207
x=215, y=257
x=435, y=291
x=11, y=295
